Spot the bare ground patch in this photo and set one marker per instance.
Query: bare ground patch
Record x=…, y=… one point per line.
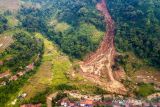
x=5, y=42
x=12, y=5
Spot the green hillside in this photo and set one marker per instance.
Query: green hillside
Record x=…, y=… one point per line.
x=138, y=28
x=68, y=31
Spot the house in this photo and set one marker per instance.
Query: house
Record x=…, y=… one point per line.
x=127, y=105
x=30, y=67
x=116, y=105
x=65, y=102
x=22, y=96
x=71, y=104
x=31, y=105
x=87, y=103
x=5, y=74
x=100, y=103
x=20, y=73
x=13, y=78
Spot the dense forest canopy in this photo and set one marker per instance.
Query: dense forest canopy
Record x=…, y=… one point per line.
x=20, y=53
x=3, y=23
x=138, y=27
x=73, y=13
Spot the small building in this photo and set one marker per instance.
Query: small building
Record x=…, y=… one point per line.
x=5, y=74
x=22, y=96
x=13, y=78
x=71, y=104
x=102, y=103
x=30, y=67
x=64, y=102
x=87, y=103
x=20, y=73
x=31, y=105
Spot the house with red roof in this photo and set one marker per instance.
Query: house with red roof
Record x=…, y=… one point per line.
x=87, y=103
x=13, y=78
x=5, y=74
x=71, y=105
x=102, y=103
x=64, y=102
x=30, y=67
x=20, y=73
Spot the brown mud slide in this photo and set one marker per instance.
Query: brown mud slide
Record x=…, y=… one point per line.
x=98, y=65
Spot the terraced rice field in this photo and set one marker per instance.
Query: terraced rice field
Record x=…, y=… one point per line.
x=5, y=42
x=44, y=75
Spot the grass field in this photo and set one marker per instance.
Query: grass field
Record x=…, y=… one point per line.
x=90, y=29
x=43, y=78
x=58, y=26
x=12, y=21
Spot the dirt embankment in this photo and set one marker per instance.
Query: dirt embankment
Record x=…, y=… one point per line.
x=99, y=64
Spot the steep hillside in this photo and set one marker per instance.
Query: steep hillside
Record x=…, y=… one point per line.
x=100, y=62
x=137, y=28
x=92, y=47
x=11, y=5
x=17, y=61
x=69, y=23
x=74, y=41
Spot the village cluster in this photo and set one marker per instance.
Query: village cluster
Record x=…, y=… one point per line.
x=75, y=99
x=65, y=102
x=7, y=74
x=105, y=101
x=118, y=103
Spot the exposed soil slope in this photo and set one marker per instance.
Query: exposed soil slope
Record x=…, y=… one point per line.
x=99, y=64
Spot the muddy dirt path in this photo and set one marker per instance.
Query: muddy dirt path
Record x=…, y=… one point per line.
x=100, y=63
x=104, y=56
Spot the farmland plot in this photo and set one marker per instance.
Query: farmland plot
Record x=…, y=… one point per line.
x=5, y=41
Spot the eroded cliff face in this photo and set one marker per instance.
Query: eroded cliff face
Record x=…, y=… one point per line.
x=98, y=65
